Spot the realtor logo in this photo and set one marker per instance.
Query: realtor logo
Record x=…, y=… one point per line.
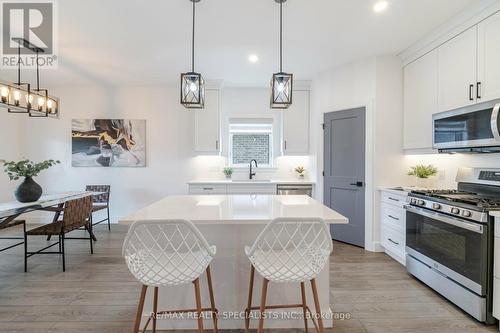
x=33, y=21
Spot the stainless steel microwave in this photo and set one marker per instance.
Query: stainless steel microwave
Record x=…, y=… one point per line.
x=472, y=129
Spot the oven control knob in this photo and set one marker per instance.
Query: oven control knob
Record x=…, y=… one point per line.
x=421, y=202
x=436, y=206
x=455, y=211
x=466, y=213
x=413, y=201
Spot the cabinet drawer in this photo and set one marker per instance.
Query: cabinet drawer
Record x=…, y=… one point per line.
x=252, y=189
x=496, y=298
x=393, y=217
x=207, y=189
x=393, y=241
x=394, y=199
x=496, y=256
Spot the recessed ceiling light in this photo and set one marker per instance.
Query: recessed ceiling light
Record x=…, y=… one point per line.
x=380, y=6
x=253, y=58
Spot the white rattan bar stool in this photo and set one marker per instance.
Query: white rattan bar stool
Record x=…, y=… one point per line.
x=169, y=253
x=289, y=250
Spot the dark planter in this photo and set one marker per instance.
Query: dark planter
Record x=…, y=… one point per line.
x=28, y=191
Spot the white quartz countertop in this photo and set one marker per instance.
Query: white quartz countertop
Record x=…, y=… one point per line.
x=235, y=209
x=397, y=190
x=250, y=182
x=495, y=213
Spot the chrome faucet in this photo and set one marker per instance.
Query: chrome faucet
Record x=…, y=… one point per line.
x=252, y=173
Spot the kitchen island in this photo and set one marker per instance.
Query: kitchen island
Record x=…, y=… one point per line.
x=232, y=222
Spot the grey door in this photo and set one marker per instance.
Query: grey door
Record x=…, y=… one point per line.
x=344, y=166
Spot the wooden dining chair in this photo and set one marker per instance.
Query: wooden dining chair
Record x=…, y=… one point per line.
x=76, y=214
x=100, y=202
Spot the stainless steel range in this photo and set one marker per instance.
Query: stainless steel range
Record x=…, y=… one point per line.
x=449, y=239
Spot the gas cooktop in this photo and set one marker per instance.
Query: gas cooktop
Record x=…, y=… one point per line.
x=455, y=196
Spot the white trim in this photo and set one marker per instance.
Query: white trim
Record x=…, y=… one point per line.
x=473, y=15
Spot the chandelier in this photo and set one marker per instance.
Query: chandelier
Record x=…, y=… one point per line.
x=20, y=97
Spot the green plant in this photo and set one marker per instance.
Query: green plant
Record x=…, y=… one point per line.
x=26, y=168
x=300, y=170
x=228, y=171
x=423, y=171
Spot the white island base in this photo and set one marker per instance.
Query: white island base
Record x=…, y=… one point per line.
x=231, y=223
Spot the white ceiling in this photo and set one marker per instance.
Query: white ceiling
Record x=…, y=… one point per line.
x=148, y=41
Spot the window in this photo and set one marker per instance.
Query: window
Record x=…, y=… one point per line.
x=250, y=139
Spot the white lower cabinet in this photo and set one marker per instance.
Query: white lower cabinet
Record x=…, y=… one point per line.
x=393, y=224
x=496, y=270
x=251, y=189
x=208, y=189
x=222, y=189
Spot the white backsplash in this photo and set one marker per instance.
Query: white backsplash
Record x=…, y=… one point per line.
x=210, y=167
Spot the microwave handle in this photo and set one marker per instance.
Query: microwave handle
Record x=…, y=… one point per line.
x=494, y=122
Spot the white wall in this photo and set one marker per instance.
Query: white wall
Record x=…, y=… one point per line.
x=171, y=161
x=9, y=149
x=374, y=83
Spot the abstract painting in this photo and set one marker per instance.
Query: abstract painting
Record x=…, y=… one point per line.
x=108, y=143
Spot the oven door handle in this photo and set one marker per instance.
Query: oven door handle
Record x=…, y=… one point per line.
x=447, y=219
x=494, y=122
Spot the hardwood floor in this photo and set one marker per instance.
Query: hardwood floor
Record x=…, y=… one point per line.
x=97, y=294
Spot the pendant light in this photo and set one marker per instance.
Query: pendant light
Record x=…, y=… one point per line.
x=192, y=84
x=281, y=83
x=21, y=98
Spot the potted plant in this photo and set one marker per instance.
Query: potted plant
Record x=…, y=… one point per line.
x=28, y=190
x=301, y=171
x=422, y=173
x=228, y=172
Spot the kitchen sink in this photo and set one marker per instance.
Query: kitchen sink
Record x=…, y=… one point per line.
x=251, y=180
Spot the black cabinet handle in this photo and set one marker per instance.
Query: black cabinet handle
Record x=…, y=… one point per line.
x=390, y=198
x=358, y=184
x=393, y=242
x=394, y=218
x=471, y=92
x=478, y=90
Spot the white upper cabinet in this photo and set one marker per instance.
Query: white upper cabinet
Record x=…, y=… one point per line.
x=296, y=125
x=489, y=59
x=207, y=124
x=457, y=68
x=420, y=101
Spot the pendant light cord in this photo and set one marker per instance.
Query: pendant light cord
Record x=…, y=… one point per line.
x=19, y=65
x=37, y=73
x=192, y=45
x=281, y=36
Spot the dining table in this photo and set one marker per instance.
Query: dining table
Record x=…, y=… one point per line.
x=53, y=202
x=231, y=222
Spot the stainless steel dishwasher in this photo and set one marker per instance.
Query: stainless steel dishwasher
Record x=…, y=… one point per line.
x=294, y=189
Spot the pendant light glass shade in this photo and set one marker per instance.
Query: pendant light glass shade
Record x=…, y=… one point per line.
x=281, y=83
x=192, y=90
x=281, y=90
x=192, y=84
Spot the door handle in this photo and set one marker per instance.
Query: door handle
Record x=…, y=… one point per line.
x=358, y=184
x=478, y=90
x=471, y=92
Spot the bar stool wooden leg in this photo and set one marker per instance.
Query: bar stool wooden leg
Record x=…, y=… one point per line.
x=212, y=300
x=138, y=316
x=249, y=304
x=155, y=308
x=317, y=306
x=304, y=304
x=198, y=304
x=263, y=305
